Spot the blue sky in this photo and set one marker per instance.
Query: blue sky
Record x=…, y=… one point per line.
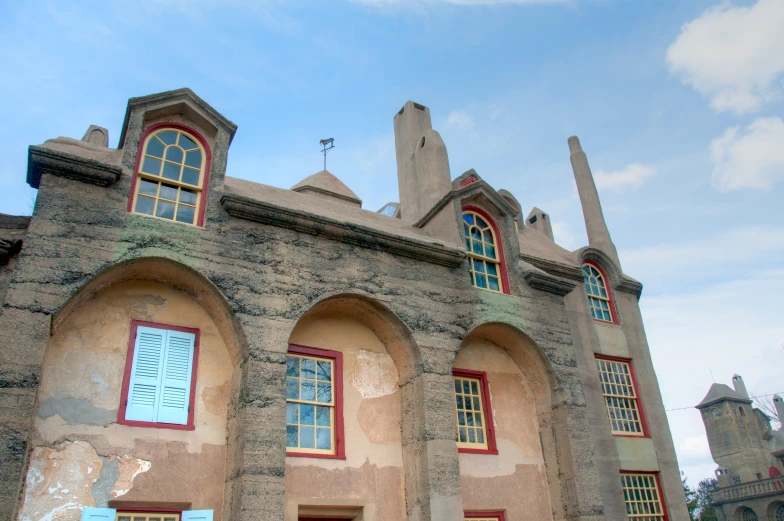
x=677, y=104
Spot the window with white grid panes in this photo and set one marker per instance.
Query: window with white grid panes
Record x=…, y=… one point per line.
x=598, y=293
x=483, y=254
x=170, y=179
x=310, y=404
x=620, y=397
x=146, y=516
x=472, y=426
x=642, y=496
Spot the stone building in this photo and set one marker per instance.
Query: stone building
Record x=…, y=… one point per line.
x=749, y=454
x=181, y=344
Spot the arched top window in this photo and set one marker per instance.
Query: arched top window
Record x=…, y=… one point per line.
x=485, y=252
x=598, y=290
x=171, y=175
x=748, y=515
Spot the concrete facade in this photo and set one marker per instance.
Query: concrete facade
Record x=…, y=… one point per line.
x=273, y=267
x=749, y=454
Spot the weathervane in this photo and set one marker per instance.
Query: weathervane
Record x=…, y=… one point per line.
x=324, y=143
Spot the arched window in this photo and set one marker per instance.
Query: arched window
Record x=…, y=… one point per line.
x=485, y=252
x=171, y=174
x=780, y=513
x=598, y=291
x=748, y=515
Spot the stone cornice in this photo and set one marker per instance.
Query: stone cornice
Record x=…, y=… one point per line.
x=629, y=285
x=549, y=283
x=478, y=186
x=173, y=96
x=356, y=234
x=43, y=160
x=555, y=268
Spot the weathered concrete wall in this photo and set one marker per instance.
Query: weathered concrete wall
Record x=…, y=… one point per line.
x=372, y=473
x=504, y=481
x=79, y=398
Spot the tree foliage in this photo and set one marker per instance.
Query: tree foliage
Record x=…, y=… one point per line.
x=698, y=501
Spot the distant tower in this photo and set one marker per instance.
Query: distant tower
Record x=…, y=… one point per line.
x=422, y=163
x=736, y=434
x=598, y=233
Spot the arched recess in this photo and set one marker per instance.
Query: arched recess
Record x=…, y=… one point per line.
x=324, y=325
x=541, y=382
x=184, y=285
x=597, y=256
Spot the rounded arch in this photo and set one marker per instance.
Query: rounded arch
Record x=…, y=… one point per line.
x=526, y=354
x=500, y=258
x=598, y=257
x=381, y=320
x=745, y=514
x=171, y=273
x=776, y=510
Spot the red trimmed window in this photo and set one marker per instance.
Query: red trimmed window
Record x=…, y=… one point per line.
x=484, y=516
x=600, y=299
x=314, y=403
x=474, y=414
x=487, y=267
x=172, y=175
x=642, y=494
x=621, y=397
x=159, y=383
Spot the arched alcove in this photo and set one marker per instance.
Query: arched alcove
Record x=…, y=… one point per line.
x=522, y=389
x=84, y=381
x=382, y=412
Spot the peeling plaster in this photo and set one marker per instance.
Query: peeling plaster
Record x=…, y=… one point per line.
x=76, y=411
x=375, y=374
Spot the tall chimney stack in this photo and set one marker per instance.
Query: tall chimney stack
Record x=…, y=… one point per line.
x=779, y=404
x=740, y=387
x=422, y=163
x=598, y=234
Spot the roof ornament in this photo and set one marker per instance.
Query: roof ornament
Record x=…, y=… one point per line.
x=327, y=145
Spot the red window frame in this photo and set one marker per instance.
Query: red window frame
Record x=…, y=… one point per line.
x=610, y=296
x=655, y=474
x=148, y=510
x=498, y=514
x=127, y=378
x=208, y=161
x=500, y=246
x=492, y=447
x=640, y=408
x=337, y=358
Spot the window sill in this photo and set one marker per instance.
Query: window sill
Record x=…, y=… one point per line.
x=154, y=425
x=490, y=452
x=312, y=455
x=605, y=322
x=637, y=436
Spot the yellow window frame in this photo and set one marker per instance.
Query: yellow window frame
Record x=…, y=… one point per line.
x=315, y=403
x=146, y=516
x=160, y=179
x=642, y=496
x=594, y=293
x=462, y=406
x=620, y=397
x=474, y=257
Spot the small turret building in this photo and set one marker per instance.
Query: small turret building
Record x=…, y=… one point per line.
x=185, y=345
x=749, y=454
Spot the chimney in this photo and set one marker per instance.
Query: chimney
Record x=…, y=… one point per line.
x=422, y=164
x=740, y=387
x=538, y=220
x=779, y=404
x=598, y=234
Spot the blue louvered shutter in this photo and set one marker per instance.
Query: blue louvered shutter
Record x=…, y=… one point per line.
x=176, y=379
x=144, y=388
x=98, y=514
x=197, y=515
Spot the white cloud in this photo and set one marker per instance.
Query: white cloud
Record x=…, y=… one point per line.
x=698, y=335
x=633, y=176
x=563, y=236
x=749, y=158
x=460, y=120
x=732, y=55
